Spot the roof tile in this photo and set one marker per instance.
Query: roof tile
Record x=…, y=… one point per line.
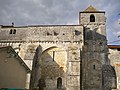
x=91, y=9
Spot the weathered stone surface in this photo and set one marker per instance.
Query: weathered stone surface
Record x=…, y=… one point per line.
x=114, y=56
x=64, y=57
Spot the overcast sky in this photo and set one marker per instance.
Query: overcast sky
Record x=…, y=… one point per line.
x=37, y=12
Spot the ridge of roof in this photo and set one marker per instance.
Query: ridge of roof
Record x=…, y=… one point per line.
x=50, y=25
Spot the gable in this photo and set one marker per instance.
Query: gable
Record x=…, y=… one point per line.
x=8, y=54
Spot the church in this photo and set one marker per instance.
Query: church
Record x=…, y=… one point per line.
x=65, y=57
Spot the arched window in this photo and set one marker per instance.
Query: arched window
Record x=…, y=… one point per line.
x=10, y=31
x=14, y=32
x=92, y=18
x=59, y=83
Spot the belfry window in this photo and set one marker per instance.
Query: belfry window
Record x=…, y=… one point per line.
x=92, y=18
x=59, y=83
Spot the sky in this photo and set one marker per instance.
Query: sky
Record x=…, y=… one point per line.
x=63, y=12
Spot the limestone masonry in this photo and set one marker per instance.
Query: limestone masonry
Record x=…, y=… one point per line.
x=66, y=57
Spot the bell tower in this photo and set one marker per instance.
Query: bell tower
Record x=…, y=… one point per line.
x=93, y=19
x=94, y=50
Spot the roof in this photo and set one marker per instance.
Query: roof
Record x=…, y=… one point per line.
x=7, y=26
x=114, y=46
x=18, y=57
x=2, y=26
x=91, y=9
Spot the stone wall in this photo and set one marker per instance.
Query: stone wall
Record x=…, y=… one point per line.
x=114, y=56
x=68, y=40
x=42, y=33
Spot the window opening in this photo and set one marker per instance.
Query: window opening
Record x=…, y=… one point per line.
x=53, y=55
x=59, y=83
x=10, y=31
x=48, y=33
x=93, y=66
x=14, y=32
x=92, y=18
x=100, y=43
x=77, y=32
x=55, y=33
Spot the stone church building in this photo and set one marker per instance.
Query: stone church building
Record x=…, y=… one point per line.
x=65, y=57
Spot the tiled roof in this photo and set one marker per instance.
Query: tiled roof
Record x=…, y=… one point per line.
x=114, y=46
x=91, y=9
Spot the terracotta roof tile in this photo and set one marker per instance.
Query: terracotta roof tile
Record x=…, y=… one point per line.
x=91, y=9
x=114, y=46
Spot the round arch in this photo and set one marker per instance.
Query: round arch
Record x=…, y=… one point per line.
x=53, y=65
x=59, y=83
x=94, y=64
x=49, y=49
x=92, y=18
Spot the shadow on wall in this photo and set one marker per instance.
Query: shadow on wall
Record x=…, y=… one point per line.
x=48, y=68
x=109, y=77
x=96, y=42
x=95, y=47
x=93, y=34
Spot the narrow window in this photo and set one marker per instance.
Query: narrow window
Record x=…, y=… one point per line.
x=14, y=32
x=53, y=55
x=100, y=43
x=59, y=83
x=93, y=66
x=10, y=31
x=92, y=18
